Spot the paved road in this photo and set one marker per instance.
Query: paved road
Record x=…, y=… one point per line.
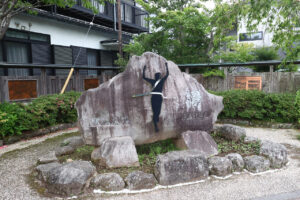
x=283, y=184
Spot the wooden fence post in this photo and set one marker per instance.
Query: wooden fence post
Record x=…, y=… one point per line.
x=271, y=86
x=43, y=81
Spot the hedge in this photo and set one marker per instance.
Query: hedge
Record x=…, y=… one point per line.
x=42, y=112
x=254, y=105
x=45, y=111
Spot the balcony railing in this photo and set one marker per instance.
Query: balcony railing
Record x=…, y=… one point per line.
x=130, y=14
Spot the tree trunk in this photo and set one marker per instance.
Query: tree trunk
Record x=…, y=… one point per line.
x=4, y=25
x=120, y=29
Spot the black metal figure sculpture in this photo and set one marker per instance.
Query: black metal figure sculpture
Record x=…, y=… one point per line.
x=157, y=95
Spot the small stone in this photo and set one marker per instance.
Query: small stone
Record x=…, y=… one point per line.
x=232, y=132
x=237, y=161
x=256, y=163
x=65, y=150
x=219, y=166
x=74, y=142
x=108, y=182
x=116, y=152
x=70, y=178
x=48, y=158
x=138, y=180
x=277, y=153
x=69, y=160
x=44, y=169
x=180, y=166
x=250, y=139
x=197, y=140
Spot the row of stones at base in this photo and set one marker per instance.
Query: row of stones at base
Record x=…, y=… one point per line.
x=171, y=168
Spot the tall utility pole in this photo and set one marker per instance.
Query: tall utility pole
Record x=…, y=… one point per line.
x=120, y=29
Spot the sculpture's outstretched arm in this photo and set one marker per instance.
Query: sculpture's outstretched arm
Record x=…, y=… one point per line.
x=167, y=74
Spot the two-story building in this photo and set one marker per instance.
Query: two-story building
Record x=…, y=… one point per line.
x=38, y=50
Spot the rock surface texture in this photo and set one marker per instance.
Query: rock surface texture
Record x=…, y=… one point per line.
x=197, y=140
x=64, y=150
x=111, y=110
x=180, y=166
x=70, y=178
x=74, y=142
x=276, y=153
x=256, y=163
x=231, y=132
x=108, y=182
x=138, y=180
x=219, y=166
x=48, y=158
x=237, y=161
x=116, y=152
x=44, y=169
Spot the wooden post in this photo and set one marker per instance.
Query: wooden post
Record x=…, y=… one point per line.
x=77, y=81
x=271, y=87
x=67, y=81
x=226, y=85
x=120, y=28
x=43, y=81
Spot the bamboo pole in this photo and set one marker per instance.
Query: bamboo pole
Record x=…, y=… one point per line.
x=67, y=81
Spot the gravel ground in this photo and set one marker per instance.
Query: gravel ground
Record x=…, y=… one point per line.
x=16, y=165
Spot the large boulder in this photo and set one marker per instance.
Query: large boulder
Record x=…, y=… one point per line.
x=180, y=166
x=219, y=166
x=116, y=152
x=138, y=180
x=256, y=163
x=197, y=140
x=231, y=132
x=70, y=178
x=276, y=153
x=108, y=182
x=112, y=110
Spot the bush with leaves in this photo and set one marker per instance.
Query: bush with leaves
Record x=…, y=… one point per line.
x=257, y=105
x=44, y=111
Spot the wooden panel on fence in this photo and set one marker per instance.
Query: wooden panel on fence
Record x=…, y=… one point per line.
x=22, y=89
x=91, y=83
x=248, y=83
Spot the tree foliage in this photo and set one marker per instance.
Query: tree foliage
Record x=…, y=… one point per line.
x=180, y=35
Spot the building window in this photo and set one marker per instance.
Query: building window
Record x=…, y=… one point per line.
x=100, y=7
x=251, y=36
x=17, y=53
x=92, y=60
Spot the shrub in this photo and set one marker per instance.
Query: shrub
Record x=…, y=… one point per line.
x=257, y=105
x=44, y=111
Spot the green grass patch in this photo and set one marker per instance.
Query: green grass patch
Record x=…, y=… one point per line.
x=298, y=137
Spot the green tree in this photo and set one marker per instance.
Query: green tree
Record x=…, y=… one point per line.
x=10, y=8
x=280, y=17
x=179, y=32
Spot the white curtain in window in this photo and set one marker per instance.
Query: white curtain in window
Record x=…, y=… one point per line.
x=128, y=13
x=17, y=53
x=92, y=61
